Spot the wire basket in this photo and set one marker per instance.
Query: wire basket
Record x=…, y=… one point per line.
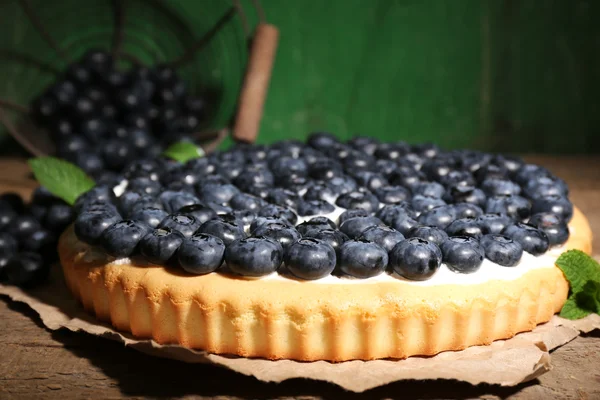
x=206, y=41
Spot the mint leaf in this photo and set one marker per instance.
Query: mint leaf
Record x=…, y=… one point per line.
x=589, y=297
x=579, y=268
x=61, y=178
x=572, y=311
x=183, y=151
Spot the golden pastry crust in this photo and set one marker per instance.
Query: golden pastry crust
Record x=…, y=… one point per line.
x=312, y=321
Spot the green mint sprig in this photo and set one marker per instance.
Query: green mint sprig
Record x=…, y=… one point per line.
x=61, y=178
x=583, y=274
x=183, y=151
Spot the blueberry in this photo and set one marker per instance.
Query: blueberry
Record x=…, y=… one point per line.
x=8, y=245
x=293, y=183
x=352, y=214
x=7, y=216
x=201, y=254
x=282, y=233
x=463, y=254
x=318, y=191
x=14, y=201
x=342, y=184
x=430, y=189
x=467, y=210
x=370, y=180
x=146, y=201
x=516, y=207
x=23, y=226
x=435, y=169
x=464, y=227
x=407, y=176
x=358, y=199
x=230, y=169
x=432, y=234
x=216, y=193
x=383, y=236
x=415, y=259
x=428, y=150
x=553, y=226
x=149, y=216
x=89, y=225
x=198, y=211
x=289, y=166
x=244, y=217
x=457, y=178
x=184, y=223
x=122, y=238
x=440, y=216
x=555, y=204
x=392, y=194
x=26, y=269
x=546, y=186
x=116, y=153
x=96, y=194
x=254, y=256
x=501, y=249
x=386, y=167
x=252, y=176
x=362, y=259
x=359, y=161
x=532, y=239
x=510, y=163
x=226, y=228
x=321, y=140
x=259, y=190
x=283, y=197
x=316, y=224
x=495, y=186
x=466, y=194
x=391, y=151
x=127, y=201
x=144, y=185
x=325, y=169
x=259, y=221
x=491, y=171
x=314, y=207
x=332, y=237
x=160, y=245
x=422, y=203
x=310, y=259
x=174, y=200
x=272, y=210
x=529, y=172
x=493, y=223
x=354, y=227
x=365, y=144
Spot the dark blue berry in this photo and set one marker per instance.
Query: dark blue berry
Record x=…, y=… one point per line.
x=253, y=176
x=440, y=216
x=370, y=180
x=272, y=210
x=201, y=254
x=254, y=256
x=516, y=207
x=358, y=199
x=289, y=166
x=14, y=201
x=501, y=249
x=354, y=227
x=463, y=254
x=26, y=269
x=318, y=191
x=342, y=184
x=365, y=144
x=244, y=217
x=546, y=186
x=467, y=210
x=144, y=185
x=362, y=258
x=529, y=172
x=8, y=245
x=464, y=227
x=216, y=193
x=226, y=227
x=422, y=203
x=532, y=239
x=122, y=238
x=97, y=194
x=415, y=259
x=466, y=194
x=198, y=211
x=282, y=233
x=553, y=226
x=495, y=186
x=184, y=223
x=314, y=207
x=313, y=225
x=332, y=237
x=352, y=214
x=7, y=216
x=283, y=197
x=321, y=140
x=146, y=201
x=392, y=194
x=493, y=223
x=555, y=204
x=383, y=236
x=23, y=226
x=149, y=216
x=432, y=234
x=174, y=200
x=310, y=259
x=160, y=245
x=325, y=169
x=491, y=171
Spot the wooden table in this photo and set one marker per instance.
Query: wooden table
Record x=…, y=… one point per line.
x=37, y=363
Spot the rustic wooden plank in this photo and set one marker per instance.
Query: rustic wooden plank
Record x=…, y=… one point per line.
x=37, y=363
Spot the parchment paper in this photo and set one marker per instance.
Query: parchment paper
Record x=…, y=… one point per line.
x=504, y=362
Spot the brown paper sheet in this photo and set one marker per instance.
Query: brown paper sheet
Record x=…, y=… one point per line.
x=504, y=362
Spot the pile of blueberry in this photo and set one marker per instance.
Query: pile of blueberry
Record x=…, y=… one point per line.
x=101, y=117
x=254, y=209
x=28, y=236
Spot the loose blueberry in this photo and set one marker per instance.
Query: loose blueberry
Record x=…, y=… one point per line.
x=422, y=203
x=342, y=184
x=316, y=224
x=555, y=204
x=216, y=193
x=7, y=216
x=149, y=216
x=432, y=234
x=321, y=140
x=174, y=200
x=282, y=233
x=283, y=197
x=370, y=180
x=8, y=245
x=467, y=210
x=186, y=224
x=383, y=236
x=314, y=207
x=244, y=217
x=272, y=210
x=332, y=237
x=226, y=228
x=463, y=254
x=352, y=214
x=440, y=216
x=466, y=194
x=198, y=211
x=546, y=186
x=392, y=194
x=553, y=226
x=358, y=200
x=97, y=194
x=122, y=238
x=516, y=207
x=415, y=259
x=493, y=223
x=362, y=259
x=201, y=254
x=160, y=245
x=310, y=259
x=14, y=201
x=23, y=226
x=318, y=191
x=26, y=269
x=354, y=227
x=495, y=186
x=464, y=227
x=501, y=249
x=254, y=256
x=532, y=239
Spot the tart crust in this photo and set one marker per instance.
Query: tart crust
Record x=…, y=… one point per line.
x=310, y=321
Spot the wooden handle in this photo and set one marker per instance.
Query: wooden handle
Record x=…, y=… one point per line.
x=256, y=83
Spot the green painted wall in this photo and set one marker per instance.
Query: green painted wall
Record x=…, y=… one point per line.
x=493, y=74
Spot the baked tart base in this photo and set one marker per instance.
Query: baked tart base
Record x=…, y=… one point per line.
x=284, y=318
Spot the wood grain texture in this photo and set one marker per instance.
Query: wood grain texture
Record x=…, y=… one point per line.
x=36, y=363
